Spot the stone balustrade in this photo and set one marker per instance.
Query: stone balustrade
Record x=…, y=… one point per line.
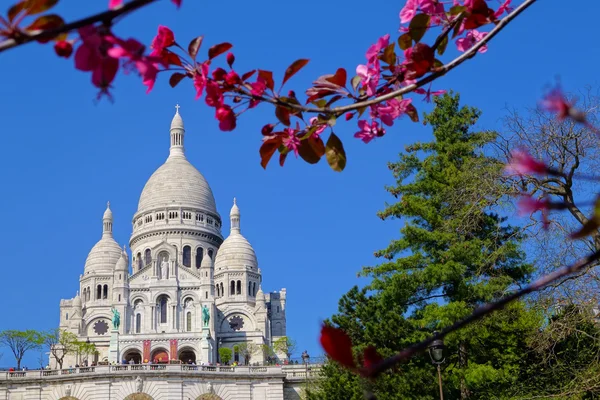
x=292, y=372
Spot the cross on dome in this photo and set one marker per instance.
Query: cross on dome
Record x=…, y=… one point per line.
x=177, y=107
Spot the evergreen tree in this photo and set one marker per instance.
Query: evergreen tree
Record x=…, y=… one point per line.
x=453, y=255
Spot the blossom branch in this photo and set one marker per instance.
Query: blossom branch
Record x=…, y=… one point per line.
x=482, y=311
x=106, y=17
x=441, y=71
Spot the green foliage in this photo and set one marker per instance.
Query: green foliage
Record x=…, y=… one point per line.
x=60, y=343
x=225, y=354
x=247, y=350
x=20, y=342
x=454, y=254
x=285, y=345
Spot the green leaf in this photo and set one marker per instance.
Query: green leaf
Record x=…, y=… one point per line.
x=292, y=69
x=355, y=82
x=418, y=26
x=218, y=49
x=38, y=6
x=442, y=46
x=389, y=55
x=455, y=10
x=176, y=78
x=336, y=155
x=458, y=25
x=405, y=41
x=45, y=23
x=194, y=46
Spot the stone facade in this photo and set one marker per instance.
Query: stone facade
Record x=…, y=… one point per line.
x=180, y=265
x=159, y=382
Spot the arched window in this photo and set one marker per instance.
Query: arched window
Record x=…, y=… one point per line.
x=239, y=287
x=210, y=253
x=138, y=323
x=188, y=322
x=163, y=310
x=67, y=316
x=187, y=256
x=222, y=290
x=148, y=257
x=139, y=261
x=99, y=292
x=249, y=288
x=199, y=255
x=206, y=295
x=277, y=308
x=218, y=291
x=254, y=289
x=105, y=294
x=232, y=291
x=119, y=297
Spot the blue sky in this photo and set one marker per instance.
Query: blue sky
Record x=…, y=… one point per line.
x=65, y=155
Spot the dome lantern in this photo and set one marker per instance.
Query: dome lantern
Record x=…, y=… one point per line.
x=234, y=216
x=107, y=221
x=177, y=134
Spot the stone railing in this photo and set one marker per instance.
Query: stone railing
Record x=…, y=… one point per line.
x=293, y=372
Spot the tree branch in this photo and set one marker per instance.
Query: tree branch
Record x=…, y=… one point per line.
x=482, y=311
x=443, y=70
x=105, y=16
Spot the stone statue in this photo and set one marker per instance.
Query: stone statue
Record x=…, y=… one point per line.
x=116, y=319
x=209, y=388
x=139, y=384
x=205, y=316
x=68, y=391
x=164, y=268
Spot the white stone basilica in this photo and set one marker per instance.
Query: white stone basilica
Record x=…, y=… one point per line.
x=180, y=268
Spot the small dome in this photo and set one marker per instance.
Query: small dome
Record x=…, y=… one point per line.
x=108, y=213
x=77, y=301
x=104, y=256
x=236, y=252
x=177, y=121
x=235, y=210
x=177, y=182
x=206, y=262
x=122, y=264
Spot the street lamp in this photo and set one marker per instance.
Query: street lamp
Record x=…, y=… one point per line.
x=436, y=352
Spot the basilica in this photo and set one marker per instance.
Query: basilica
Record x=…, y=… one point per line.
x=182, y=292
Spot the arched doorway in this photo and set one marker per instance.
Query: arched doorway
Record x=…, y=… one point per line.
x=138, y=396
x=134, y=355
x=187, y=356
x=160, y=356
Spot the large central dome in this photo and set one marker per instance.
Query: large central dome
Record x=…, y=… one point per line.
x=177, y=182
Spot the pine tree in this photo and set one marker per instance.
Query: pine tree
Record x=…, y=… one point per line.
x=454, y=254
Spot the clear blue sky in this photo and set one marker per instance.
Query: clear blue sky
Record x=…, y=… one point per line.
x=65, y=155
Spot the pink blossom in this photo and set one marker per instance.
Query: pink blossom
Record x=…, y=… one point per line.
x=428, y=93
x=291, y=141
x=528, y=205
x=259, y=87
x=177, y=2
x=522, y=163
x=112, y=4
x=369, y=76
x=321, y=127
x=200, y=79
x=163, y=39
x=92, y=56
x=133, y=53
x=226, y=117
x=391, y=110
x=556, y=102
x=214, y=96
x=368, y=132
x=408, y=11
x=470, y=39
x=504, y=7
x=434, y=9
x=374, y=50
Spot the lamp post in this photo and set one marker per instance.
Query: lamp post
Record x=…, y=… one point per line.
x=436, y=352
x=305, y=358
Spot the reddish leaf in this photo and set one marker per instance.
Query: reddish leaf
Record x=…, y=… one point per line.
x=248, y=75
x=267, y=76
x=292, y=69
x=337, y=345
x=37, y=6
x=389, y=55
x=419, y=61
x=46, y=22
x=218, y=49
x=267, y=150
x=15, y=9
x=312, y=149
x=172, y=58
x=412, y=112
x=371, y=357
x=339, y=78
x=194, y=46
x=282, y=157
x=405, y=41
x=336, y=155
x=283, y=115
x=418, y=26
x=480, y=14
x=176, y=78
